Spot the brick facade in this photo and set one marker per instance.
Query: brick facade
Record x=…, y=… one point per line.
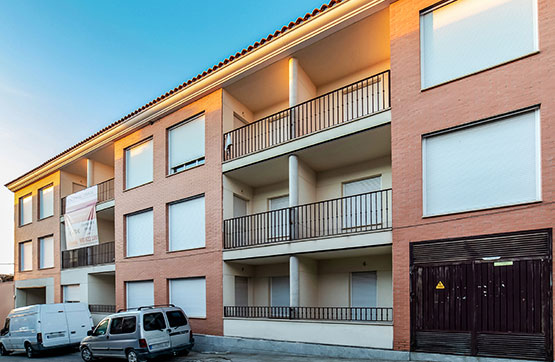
x=207, y=179
x=502, y=89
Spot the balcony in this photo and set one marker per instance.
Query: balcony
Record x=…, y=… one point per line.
x=342, y=216
x=102, y=308
x=351, y=314
x=103, y=253
x=349, y=103
x=105, y=193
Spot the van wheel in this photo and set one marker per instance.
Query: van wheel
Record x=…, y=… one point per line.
x=29, y=350
x=3, y=350
x=86, y=354
x=132, y=356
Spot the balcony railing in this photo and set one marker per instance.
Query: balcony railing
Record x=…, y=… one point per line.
x=356, y=100
x=352, y=214
x=102, y=308
x=362, y=314
x=91, y=255
x=105, y=193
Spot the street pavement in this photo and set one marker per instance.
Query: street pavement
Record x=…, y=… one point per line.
x=65, y=356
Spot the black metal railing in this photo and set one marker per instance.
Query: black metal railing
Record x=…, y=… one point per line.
x=102, y=308
x=91, y=255
x=105, y=192
x=356, y=100
x=352, y=214
x=363, y=314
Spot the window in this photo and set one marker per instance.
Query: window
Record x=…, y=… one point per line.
x=279, y=218
x=46, y=249
x=466, y=36
x=279, y=291
x=71, y=293
x=278, y=128
x=362, y=206
x=186, y=145
x=190, y=295
x=25, y=210
x=123, y=325
x=140, y=233
x=138, y=164
x=364, y=289
x=6, y=328
x=241, y=291
x=26, y=256
x=154, y=321
x=176, y=318
x=101, y=328
x=187, y=224
x=484, y=165
x=46, y=202
x=239, y=206
x=139, y=294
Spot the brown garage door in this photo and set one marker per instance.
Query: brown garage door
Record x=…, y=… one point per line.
x=483, y=296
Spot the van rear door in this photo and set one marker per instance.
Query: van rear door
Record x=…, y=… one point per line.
x=79, y=321
x=156, y=335
x=179, y=328
x=53, y=325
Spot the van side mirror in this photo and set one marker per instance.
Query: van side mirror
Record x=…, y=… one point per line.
x=89, y=332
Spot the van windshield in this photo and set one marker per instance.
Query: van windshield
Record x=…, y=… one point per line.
x=154, y=321
x=6, y=328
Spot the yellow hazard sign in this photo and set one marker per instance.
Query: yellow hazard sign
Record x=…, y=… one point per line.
x=440, y=285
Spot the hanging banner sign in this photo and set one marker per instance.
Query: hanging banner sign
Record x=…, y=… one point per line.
x=80, y=219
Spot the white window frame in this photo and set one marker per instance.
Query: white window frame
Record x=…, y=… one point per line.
x=501, y=117
x=189, y=163
x=444, y=3
x=22, y=209
x=41, y=252
x=42, y=202
x=190, y=199
x=126, y=160
x=150, y=210
x=22, y=256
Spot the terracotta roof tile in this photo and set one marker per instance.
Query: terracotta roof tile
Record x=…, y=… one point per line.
x=226, y=61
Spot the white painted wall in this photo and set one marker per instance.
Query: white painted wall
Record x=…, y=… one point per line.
x=230, y=106
x=354, y=77
x=106, y=231
x=262, y=194
x=102, y=172
x=82, y=276
x=66, y=181
x=347, y=334
x=308, y=282
x=307, y=183
x=231, y=187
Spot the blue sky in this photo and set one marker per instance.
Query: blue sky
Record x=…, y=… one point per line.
x=68, y=68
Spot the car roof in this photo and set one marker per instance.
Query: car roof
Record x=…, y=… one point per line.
x=142, y=310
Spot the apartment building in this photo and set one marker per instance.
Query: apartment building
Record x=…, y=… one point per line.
x=376, y=175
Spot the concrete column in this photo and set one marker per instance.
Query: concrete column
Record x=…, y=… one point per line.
x=293, y=180
x=90, y=172
x=294, y=297
x=293, y=84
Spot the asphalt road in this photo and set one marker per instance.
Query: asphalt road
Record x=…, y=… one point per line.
x=69, y=356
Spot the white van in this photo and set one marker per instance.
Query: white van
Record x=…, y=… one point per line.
x=44, y=326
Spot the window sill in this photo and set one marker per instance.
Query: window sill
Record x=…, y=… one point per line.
x=138, y=256
x=47, y=268
x=136, y=187
x=22, y=225
x=187, y=169
x=482, y=209
x=425, y=89
x=46, y=217
x=185, y=250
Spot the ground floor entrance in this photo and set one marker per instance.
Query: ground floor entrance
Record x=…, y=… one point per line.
x=483, y=296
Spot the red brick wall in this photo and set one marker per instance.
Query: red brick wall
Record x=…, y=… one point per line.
x=37, y=229
x=502, y=89
x=207, y=179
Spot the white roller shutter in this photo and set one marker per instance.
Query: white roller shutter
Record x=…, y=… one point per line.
x=364, y=289
x=187, y=224
x=46, y=202
x=72, y=293
x=241, y=291
x=186, y=144
x=280, y=291
x=467, y=36
x=239, y=206
x=26, y=256
x=190, y=295
x=140, y=229
x=26, y=210
x=46, y=252
x=138, y=161
x=491, y=164
x=139, y=294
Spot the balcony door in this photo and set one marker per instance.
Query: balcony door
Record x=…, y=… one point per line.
x=278, y=218
x=364, y=294
x=362, y=204
x=279, y=296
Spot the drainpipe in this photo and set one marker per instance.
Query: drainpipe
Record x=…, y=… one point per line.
x=90, y=172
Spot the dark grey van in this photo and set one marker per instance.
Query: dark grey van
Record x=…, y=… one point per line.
x=139, y=334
